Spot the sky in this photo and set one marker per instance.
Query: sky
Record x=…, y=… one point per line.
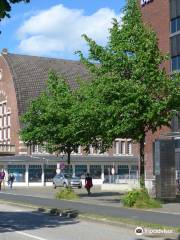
x=55, y=28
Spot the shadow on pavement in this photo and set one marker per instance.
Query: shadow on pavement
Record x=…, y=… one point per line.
x=19, y=221
x=100, y=194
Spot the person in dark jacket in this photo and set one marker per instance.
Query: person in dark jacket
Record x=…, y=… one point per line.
x=88, y=183
x=11, y=179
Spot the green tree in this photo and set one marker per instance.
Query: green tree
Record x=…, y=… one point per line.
x=130, y=93
x=48, y=118
x=5, y=7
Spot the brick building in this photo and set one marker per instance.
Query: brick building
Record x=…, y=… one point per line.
x=22, y=78
x=164, y=18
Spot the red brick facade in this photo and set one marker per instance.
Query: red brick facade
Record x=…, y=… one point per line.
x=7, y=87
x=157, y=15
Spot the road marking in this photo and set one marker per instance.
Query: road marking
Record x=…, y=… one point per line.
x=25, y=234
x=30, y=235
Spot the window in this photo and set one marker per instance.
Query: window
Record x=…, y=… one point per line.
x=123, y=147
x=4, y=134
x=9, y=120
x=1, y=122
x=8, y=131
x=175, y=63
x=35, y=173
x=78, y=151
x=1, y=108
x=4, y=108
x=39, y=149
x=68, y=169
x=117, y=147
x=35, y=148
x=49, y=172
x=4, y=121
x=80, y=170
x=120, y=147
x=107, y=170
x=178, y=24
x=18, y=171
x=175, y=25
x=91, y=150
x=134, y=172
x=123, y=170
x=129, y=147
x=177, y=143
x=0, y=134
x=95, y=171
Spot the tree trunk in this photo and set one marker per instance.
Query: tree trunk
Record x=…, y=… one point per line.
x=69, y=161
x=68, y=158
x=142, y=162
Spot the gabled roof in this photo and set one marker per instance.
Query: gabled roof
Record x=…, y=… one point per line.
x=30, y=74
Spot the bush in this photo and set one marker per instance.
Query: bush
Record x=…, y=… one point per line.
x=67, y=193
x=140, y=198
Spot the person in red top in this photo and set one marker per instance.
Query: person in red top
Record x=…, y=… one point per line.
x=2, y=177
x=88, y=183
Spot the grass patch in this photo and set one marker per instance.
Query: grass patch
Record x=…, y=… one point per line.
x=67, y=193
x=127, y=222
x=139, y=198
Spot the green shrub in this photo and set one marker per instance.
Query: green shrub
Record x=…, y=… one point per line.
x=140, y=198
x=67, y=193
x=151, y=203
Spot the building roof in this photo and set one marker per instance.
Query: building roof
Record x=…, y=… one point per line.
x=30, y=74
x=109, y=160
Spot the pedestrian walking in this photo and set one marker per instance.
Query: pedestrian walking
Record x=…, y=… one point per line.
x=88, y=183
x=11, y=179
x=2, y=179
x=3, y=175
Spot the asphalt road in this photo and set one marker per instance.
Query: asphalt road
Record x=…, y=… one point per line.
x=146, y=216
x=17, y=223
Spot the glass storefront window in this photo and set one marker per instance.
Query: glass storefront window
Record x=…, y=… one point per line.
x=81, y=170
x=107, y=173
x=95, y=171
x=123, y=170
x=18, y=171
x=134, y=172
x=68, y=169
x=177, y=143
x=49, y=172
x=35, y=173
x=107, y=170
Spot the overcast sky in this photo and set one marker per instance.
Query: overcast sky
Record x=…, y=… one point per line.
x=54, y=28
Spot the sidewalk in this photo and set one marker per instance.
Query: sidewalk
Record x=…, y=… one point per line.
x=111, y=199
